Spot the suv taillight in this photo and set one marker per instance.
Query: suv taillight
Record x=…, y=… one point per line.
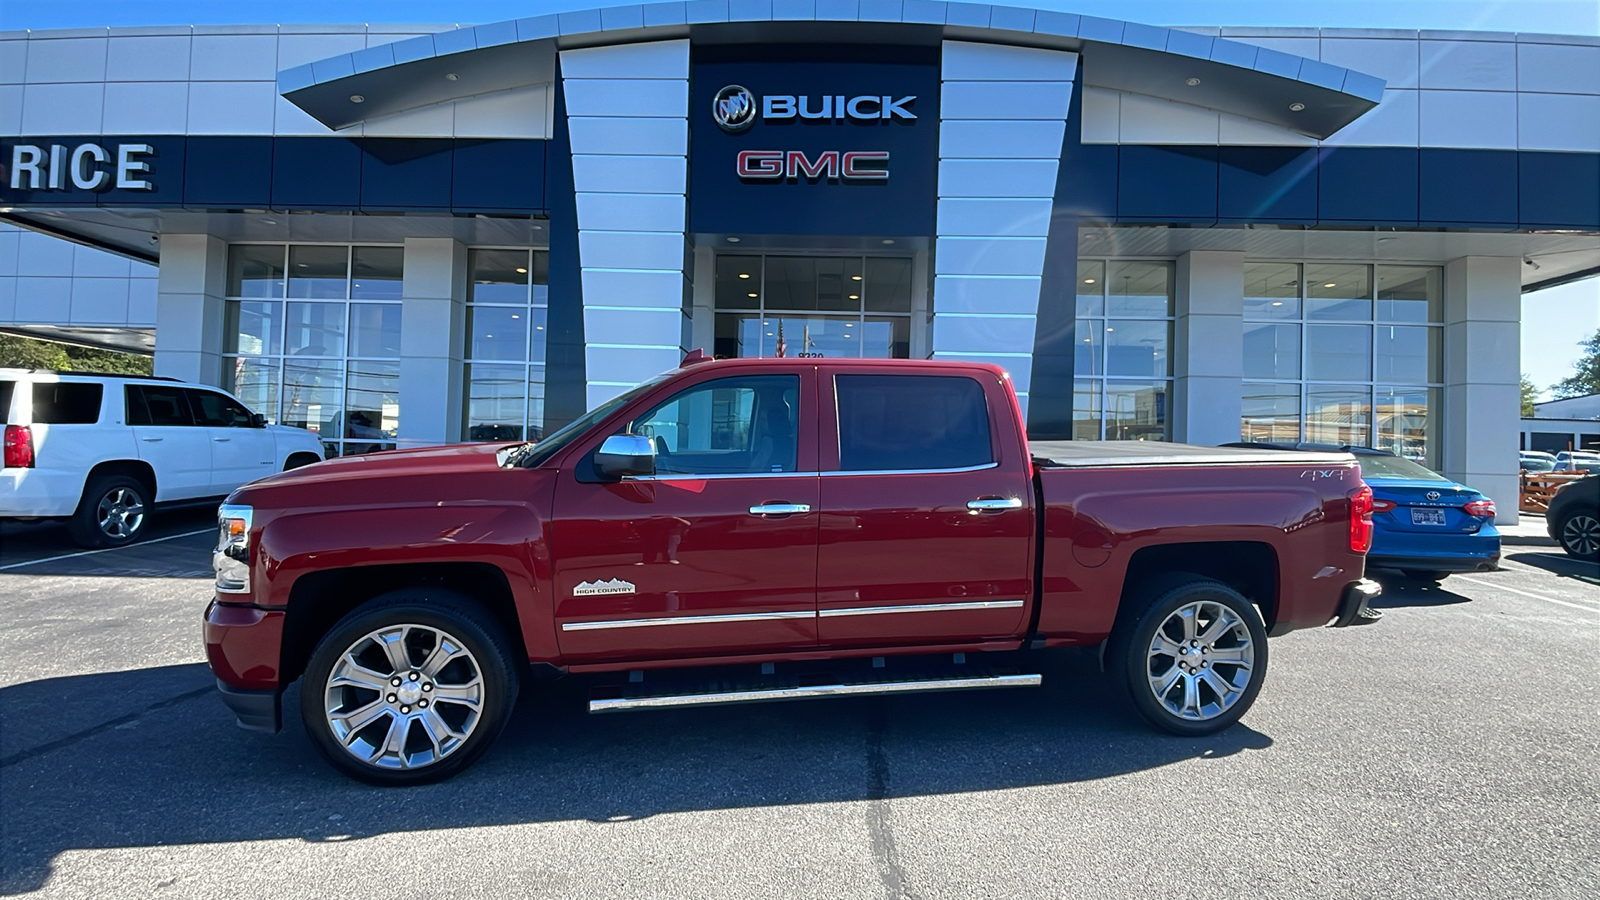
x=19, y=447
x=1361, y=520
x=1484, y=507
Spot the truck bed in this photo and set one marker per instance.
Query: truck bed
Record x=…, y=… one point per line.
x=1102, y=454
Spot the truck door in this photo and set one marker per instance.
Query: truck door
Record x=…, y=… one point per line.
x=715, y=554
x=926, y=531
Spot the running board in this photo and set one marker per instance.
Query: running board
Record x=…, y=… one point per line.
x=764, y=695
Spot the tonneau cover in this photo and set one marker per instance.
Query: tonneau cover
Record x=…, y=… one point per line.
x=1088, y=454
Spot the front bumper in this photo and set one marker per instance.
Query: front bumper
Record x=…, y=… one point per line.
x=244, y=645
x=256, y=710
x=1353, y=609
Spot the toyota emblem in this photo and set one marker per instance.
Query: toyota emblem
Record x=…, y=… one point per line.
x=734, y=108
x=1433, y=495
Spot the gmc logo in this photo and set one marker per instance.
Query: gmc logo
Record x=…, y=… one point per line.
x=851, y=165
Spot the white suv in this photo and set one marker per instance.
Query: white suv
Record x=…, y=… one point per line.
x=100, y=450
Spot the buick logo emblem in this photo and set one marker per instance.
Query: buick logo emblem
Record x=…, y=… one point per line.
x=1433, y=495
x=734, y=108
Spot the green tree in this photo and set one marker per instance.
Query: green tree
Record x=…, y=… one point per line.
x=1530, y=396
x=1585, y=378
x=28, y=353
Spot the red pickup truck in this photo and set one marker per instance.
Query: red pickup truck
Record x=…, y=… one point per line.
x=764, y=529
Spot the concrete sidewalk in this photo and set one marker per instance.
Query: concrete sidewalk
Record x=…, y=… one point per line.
x=1528, y=532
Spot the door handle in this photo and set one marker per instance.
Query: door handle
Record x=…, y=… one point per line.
x=152, y=440
x=779, y=509
x=222, y=440
x=990, y=504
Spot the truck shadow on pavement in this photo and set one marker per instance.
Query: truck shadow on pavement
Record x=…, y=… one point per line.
x=147, y=758
x=1401, y=591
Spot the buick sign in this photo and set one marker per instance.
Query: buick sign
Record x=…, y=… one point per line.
x=734, y=108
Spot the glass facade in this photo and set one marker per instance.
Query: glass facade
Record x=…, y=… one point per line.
x=1344, y=353
x=313, y=339
x=507, y=298
x=813, y=306
x=1123, y=364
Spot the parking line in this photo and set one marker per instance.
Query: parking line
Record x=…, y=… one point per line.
x=35, y=562
x=1527, y=594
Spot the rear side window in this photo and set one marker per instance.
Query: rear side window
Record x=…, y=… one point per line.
x=64, y=403
x=7, y=388
x=898, y=422
x=152, y=405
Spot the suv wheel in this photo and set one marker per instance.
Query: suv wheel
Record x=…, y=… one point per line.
x=1192, y=656
x=409, y=688
x=113, y=512
x=1580, y=536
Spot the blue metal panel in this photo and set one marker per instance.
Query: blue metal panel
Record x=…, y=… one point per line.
x=1267, y=184
x=1559, y=190
x=565, y=368
x=405, y=173
x=1166, y=184
x=228, y=173
x=1367, y=185
x=315, y=173
x=1468, y=187
x=499, y=175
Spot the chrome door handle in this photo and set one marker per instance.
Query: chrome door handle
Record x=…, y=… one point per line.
x=779, y=509
x=984, y=504
x=222, y=440
x=152, y=440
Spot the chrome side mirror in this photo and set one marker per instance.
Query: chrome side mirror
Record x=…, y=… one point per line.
x=624, y=455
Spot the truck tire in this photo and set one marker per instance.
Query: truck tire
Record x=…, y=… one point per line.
x=410, y=687
x=1579, y=534
x=112, y=512
x=1191, y=654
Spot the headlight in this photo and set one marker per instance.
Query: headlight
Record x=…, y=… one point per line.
x=231, y=559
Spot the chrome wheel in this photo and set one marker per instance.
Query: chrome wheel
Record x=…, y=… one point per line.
x=404, y=697
x=1581, y=535
x=1200, y=660
x=120, y=513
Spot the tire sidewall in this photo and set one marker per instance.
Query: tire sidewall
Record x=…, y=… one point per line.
x=1567, y=548
x=1133, y=648
x=448, y=611
x=85, y=522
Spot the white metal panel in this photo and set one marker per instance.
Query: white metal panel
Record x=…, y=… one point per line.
x=1558, y=122
x=10, y=109
x=1239, y=131
x=630, y=212
x=989, y=256
x=8, y=299
x=998, y=139
x=656, y=59
x=631, y=249
x=627, y=366
x=51, y=61
x=99, y=301
x=1558, y=69
x=1012, y=295
x=10, y=237
x=301, y=49
x=232, y=107
x=632, y=289
x=154, y=58
x=981, y=333
x=234, y=57
x=1010, y=217
x=1472, y=119
x=1307, y=47
x=1004, y=100
x=967, y=61
x=160, y=107
x=1392, y=123
x=87, y=262
x=44, y=301
x=1102, y=116
x=997, y=177
x=632, y=174
x=142, y=302
x=1395, y=61
x=438, y=120
x=1468, y=65
x=631, y=326
x=666, y=137
x=13, y=61
x=1151, y=120
x=648, y=97
x=62, y=108
x=41, y=254
x=522, y=113
x=288, y=119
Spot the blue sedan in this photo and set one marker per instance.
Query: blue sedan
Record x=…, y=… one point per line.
x=1424, y=524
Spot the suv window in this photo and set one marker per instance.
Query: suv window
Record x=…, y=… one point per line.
x=66, y=403
x=7, y=388
x=727, y=426
x=218, y=410
x=149, y=404
x=899, y=422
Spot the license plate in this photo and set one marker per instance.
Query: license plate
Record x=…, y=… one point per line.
x=1427, y=517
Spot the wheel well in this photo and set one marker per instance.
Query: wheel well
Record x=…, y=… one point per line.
x=296, y=460
x=319, y=600
x=136, y=469
x=1248, y=567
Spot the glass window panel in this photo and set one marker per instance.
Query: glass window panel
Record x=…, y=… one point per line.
x=791, y=283
x=254, y=381
x=839, y=282
x=1271, y=351
x=318, y=272
x=255, y=270
x=211, y=409
x=1270, y=412
x=498, y=333
x=1338, y=291
x=730, y=425
x=1089, y=347
x=376, y=272
x=888, y=285
x=313, y=394
x=315, y=329
x=890, y=422
x=1138, y=348
x=886, y=337
x=738, y=282
x=535, y=403
x=254, y=327
x=1339, y=414
x=372, y=407
x=726, y=343
x=1091, y=288
x=541, y=267
x=1403, y=417
x=498, y=276
x=1271, y=291
x=1137, y=411
x=540, y=319
x=1139, y=289
x=496, y=402
x=1086, y=410
x=375, y=330
x=1410, y=294
x=784, y=335
x=1338, y=352
x=1408, y=354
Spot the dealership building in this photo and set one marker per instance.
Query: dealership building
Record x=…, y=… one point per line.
x=407, y=235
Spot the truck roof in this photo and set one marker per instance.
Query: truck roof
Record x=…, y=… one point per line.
x=1093, y=454
x=871, y=363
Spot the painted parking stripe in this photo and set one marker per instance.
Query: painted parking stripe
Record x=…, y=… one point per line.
x=1502, y=587
x=49, y=559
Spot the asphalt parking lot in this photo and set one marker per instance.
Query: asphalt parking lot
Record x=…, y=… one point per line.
x=1449, y=751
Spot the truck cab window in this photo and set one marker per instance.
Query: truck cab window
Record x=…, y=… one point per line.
x=910, y=422
x=728, y=426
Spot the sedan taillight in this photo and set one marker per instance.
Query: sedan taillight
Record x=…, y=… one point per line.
x=1484, y=507
x=1361, y=520
x=1383, y=505
x=18, y=447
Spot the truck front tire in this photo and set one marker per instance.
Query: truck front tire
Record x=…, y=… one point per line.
x=1191, y=655
x=409, y=688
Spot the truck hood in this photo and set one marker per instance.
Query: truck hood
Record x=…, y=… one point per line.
x=424, y=461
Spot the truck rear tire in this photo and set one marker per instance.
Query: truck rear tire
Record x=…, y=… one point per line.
x=1191, y=654
x=409, y=688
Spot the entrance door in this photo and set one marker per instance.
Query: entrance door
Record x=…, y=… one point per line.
x=715, y=554
x=814, y=307
x=905, y=555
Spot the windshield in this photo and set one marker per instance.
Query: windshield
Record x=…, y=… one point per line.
x=532, y=454
x=1395, y=467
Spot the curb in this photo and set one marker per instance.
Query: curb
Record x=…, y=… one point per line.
x=1517, y=540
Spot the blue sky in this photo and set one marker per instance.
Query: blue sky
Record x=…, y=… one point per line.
x=1552, y=320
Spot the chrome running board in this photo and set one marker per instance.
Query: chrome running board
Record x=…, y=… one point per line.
x=764, y=695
